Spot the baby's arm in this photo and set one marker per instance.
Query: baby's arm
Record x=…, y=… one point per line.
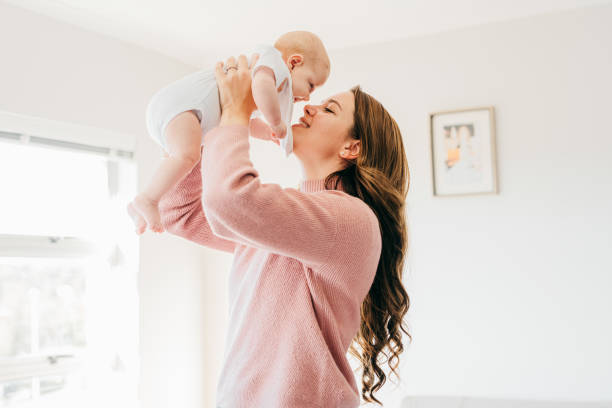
x=265, y=96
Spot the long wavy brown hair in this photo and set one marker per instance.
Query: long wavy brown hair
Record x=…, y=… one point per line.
x=380, y=177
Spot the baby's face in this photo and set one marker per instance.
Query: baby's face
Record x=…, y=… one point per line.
x=306, y=78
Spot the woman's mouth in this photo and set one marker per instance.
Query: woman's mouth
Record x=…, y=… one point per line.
x=303, y=123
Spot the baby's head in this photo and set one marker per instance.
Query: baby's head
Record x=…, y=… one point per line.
x=307, y=60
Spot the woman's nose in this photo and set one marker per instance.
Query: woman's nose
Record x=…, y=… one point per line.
x=309, y=110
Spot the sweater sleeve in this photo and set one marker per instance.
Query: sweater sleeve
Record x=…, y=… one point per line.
x=182, y=213
x=286, y=221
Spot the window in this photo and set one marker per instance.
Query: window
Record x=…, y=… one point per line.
x=68, y=288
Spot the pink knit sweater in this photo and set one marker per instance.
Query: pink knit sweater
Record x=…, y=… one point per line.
x=303, y=262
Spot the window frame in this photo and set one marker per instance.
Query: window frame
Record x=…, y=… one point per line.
x=16, y=128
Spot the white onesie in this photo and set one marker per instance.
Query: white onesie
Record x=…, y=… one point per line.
x=198, y=92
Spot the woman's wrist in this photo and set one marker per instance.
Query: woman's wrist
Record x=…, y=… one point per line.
x=234, y=118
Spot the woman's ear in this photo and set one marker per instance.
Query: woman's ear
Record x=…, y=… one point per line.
x=352, y=151
x=296, y=60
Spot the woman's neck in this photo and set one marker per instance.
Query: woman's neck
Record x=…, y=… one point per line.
x=318, y=171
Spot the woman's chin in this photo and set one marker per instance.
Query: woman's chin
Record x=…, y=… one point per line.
x=298, y=128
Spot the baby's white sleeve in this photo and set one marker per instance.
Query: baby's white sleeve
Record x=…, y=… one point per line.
x=272, y=58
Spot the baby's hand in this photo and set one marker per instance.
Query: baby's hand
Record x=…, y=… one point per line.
x=279, y=131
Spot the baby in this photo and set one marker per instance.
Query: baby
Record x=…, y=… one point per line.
x=181, y=113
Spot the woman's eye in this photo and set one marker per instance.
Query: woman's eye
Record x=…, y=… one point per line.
x=329, y=110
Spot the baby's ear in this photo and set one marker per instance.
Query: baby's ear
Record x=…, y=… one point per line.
x=295, y=60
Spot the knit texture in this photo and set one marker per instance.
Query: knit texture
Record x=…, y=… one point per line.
x=304, y=260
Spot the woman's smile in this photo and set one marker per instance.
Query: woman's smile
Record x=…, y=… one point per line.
x=302, y=122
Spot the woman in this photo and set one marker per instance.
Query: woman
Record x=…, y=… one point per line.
x=314, y=269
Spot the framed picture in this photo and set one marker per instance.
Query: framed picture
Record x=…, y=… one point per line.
x=463, y=151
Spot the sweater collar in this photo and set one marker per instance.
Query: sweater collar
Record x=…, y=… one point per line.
x=311, y=186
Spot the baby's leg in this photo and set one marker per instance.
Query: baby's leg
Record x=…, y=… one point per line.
x=183, y=141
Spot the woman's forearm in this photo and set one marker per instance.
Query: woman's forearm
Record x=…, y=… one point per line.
x=182, y=213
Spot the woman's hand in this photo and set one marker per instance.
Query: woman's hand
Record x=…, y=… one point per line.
x=235, y=94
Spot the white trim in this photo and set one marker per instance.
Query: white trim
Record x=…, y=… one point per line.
x=66, y=132
x=18, y=368
x=34, y=246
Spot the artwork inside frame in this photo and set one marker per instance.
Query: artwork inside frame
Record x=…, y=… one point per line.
x=463, y=151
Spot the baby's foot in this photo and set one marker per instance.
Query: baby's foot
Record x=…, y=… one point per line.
x=149, y=210
x=139, y=221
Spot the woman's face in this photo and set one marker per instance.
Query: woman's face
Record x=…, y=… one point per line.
x=323, y=131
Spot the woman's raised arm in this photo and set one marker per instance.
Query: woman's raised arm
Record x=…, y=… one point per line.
x=181, y=208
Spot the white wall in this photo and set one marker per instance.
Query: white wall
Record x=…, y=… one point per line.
x=53, y=70
x=511, y=292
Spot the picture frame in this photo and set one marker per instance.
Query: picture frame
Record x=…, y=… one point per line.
x=463, y=151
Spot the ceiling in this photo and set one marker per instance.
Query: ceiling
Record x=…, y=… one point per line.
x=200, y=32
